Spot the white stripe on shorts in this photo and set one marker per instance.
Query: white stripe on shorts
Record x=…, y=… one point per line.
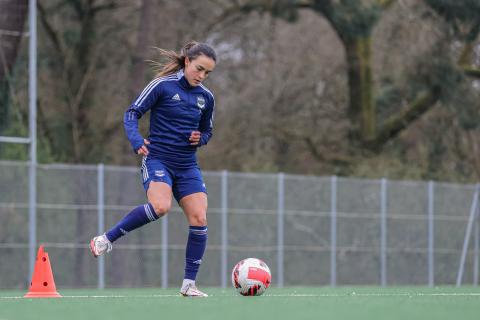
x=144, y=169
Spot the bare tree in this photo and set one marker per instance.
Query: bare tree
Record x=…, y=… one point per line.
x=78, y=53
x=12, y=19
x=353, y=22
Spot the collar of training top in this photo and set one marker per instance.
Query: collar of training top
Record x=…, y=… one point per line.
x=183, y=81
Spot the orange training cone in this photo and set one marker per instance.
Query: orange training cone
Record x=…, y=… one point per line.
x=42, y=285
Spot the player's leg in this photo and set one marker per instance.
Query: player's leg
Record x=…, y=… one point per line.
x=191, y=191
x=195, y=208
x=159, y=194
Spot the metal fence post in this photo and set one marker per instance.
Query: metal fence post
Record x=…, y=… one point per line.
x=471, y=220
x=476, y=240
x=101, y=220
x=475, y=253
x=165, y=251
x=280, y=229
x=32, y=102
x=431, y=233
x=224, y=231
x=32, y=216
x=333, y=232
x=383, y=232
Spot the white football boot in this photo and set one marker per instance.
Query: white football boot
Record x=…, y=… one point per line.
x=100, y=245
x=190, y=290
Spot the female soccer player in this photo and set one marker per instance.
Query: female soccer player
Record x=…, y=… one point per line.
x=180, y=122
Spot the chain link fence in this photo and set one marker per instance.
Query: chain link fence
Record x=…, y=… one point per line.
x=311, y=231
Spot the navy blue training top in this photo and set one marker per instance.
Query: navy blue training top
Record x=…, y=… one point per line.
x=177, y=109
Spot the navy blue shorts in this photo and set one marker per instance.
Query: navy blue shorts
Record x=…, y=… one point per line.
x=183, y=181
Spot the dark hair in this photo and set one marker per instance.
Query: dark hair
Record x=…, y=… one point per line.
x=176, y=61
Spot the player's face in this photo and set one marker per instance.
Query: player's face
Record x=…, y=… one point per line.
x=197, y=70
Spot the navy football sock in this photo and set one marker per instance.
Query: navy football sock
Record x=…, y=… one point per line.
x=197, y=242
x=138, y=217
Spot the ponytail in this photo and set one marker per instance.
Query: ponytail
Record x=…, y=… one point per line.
x=176, y=61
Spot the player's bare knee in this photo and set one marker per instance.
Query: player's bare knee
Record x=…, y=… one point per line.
x=160, y=208
x=198, y=220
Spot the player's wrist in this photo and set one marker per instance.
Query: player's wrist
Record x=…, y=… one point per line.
x=137, y=145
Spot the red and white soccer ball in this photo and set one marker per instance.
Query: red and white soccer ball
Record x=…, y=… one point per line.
x=251, y=277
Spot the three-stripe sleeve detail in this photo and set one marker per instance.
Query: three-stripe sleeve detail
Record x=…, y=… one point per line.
x=149, y=88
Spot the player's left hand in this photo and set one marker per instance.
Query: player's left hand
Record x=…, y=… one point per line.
x=195, y=138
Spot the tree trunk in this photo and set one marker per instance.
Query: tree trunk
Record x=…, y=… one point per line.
x=141, y=47
x=12, y=19
x=361, y=106
x=136, y=85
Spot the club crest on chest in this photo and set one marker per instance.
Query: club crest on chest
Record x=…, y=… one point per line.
x=200, y=102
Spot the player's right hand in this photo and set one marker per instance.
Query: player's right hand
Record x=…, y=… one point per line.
x=143, y=149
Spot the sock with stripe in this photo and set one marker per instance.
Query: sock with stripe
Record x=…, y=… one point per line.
x=138, y=217
x=197, y=242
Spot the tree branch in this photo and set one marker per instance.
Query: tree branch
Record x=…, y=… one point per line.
x=325, y=155
x=472, y=140
x=43, y=125
x=466, y=54
x=78, y=7
x=231, y=11
x=472, y=72
x=385, y=3
x=106, y=6
x=249, y=6
x=398, y=122
x=308, y=4
x=74, y=101
x=51, y=33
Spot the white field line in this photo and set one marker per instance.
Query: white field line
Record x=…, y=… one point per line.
x=400, y=294
x=109, y=296
x=293, y=295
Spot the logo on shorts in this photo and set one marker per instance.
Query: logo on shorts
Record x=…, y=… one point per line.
x=159, y=173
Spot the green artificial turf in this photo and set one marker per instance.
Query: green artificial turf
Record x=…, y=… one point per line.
x=362, y=303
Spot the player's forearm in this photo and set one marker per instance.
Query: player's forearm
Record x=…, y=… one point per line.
x=205, y=137
x=130, y=123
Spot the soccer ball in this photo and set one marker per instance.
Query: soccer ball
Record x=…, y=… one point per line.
x=251, y=277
